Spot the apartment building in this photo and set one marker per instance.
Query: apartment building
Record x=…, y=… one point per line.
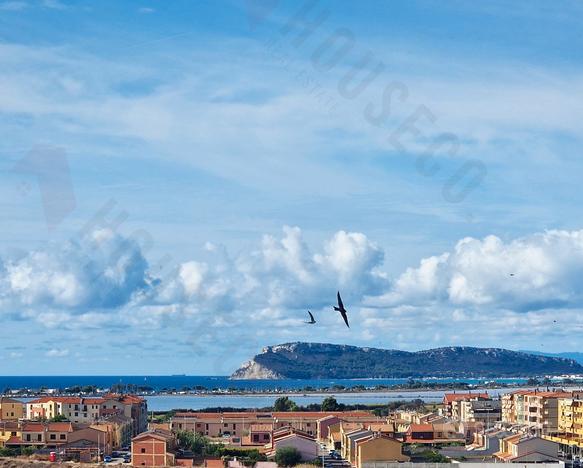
x=536, y=410
x=81, y=410
x=450, y=400
x=378, y=449
x=239, y=423
x=570, y=425
x=11, y=409
x=486, y=412
x=521, y=448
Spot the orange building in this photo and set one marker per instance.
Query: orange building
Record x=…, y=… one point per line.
x=154, y=448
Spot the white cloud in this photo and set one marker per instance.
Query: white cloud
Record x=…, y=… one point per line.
x=54, y=352
x=102, y=270
x=534, y=272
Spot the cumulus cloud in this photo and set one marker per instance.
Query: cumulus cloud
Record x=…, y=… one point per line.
x=103, y=270
x=79, y=284
x=531, y=273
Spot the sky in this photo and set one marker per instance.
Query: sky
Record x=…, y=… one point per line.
x=180, y=181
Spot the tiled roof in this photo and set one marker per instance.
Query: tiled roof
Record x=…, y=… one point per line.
x=60, y=427
x=14, y=441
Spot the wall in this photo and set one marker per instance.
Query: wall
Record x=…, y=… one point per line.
x=458, y=465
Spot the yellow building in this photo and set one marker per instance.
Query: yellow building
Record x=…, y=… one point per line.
x=10, y=409
x=41, y=408
x=9, y=429
x=570, y=427
x=379, y=449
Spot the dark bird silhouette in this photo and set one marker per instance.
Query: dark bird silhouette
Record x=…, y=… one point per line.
x=511, y=274
x=312, y=320
x=341, y=309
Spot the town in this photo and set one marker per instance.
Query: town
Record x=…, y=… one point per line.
x=541, y=426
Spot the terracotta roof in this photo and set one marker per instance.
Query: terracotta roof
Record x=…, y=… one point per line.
x=549, y=394
x=156, y=433
x=191, y=414
x=33, y=427
x=451, y=397
x=60, y=427
x=421, y=428
x=14, y=441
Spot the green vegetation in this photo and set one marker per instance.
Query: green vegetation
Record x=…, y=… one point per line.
x=202, y=446
x=432, y=456
x=330, y=404
x=284, y=404
x=318, y=360
x=287, y=456
x=27, y=451
x=59, y=418
x=7, y=452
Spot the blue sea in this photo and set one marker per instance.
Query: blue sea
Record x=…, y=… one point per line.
x=201, y=401
x=178, y=382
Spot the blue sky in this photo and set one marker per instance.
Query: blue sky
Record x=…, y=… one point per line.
x=253, y=183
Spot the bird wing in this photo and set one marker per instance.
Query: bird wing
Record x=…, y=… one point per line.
x=340, y=305
x=345, y=317
x=311, y=316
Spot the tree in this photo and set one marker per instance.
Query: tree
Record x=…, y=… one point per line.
x=59, y=418
x=330, y=404
x=284, y=404
x=287, y=456
x=193, y=441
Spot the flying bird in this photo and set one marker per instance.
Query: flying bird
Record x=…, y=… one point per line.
x=511, y=274
x=312, y=320
x=341, y=309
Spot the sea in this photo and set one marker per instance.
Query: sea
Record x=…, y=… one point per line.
x=229, y=390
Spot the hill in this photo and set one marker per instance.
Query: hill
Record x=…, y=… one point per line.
x=330, y=361
x=577, y=357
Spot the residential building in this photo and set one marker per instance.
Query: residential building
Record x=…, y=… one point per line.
x=569, y=433
x=536, y=410
x=153, y=448
x=521, y=448
x=450, y=400
x=304, y=443
x=378, y=448
x=439, y=433
x=11, y=409
x=239, y=423
x=82, y=410
x=484, y=411
x=8, y=430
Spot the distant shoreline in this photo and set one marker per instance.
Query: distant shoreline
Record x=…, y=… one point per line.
x=413, y=387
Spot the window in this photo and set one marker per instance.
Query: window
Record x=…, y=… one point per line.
x=28, y=437
x=225, y=425
x=143, y=450
x=76, y=414
x=39, y=437
x=62, y=436
x=53, y=436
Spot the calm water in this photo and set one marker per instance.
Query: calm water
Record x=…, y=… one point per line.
x=180, y=381
x=168, y=402
x=195, y=402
